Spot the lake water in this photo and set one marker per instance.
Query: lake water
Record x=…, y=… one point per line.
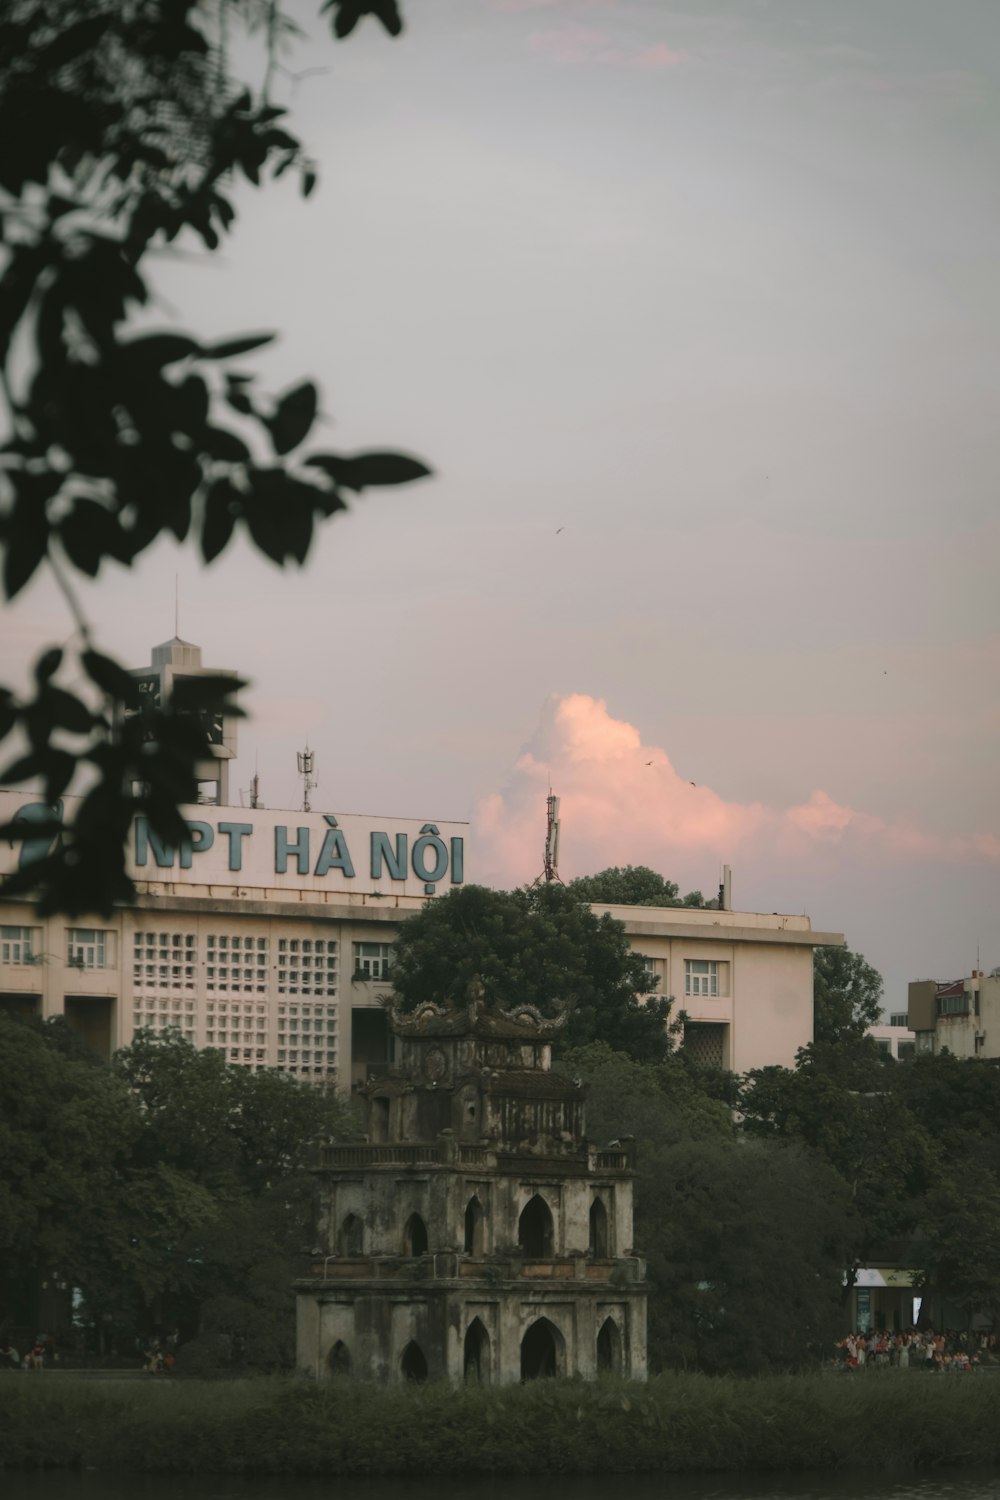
x=969, y=1485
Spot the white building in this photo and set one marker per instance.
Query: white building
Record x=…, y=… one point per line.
x=741, y=981
x=268, y=935
x=960, y=1015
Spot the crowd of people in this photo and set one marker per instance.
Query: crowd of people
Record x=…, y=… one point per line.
x=40, y=1355
x=915, y=1348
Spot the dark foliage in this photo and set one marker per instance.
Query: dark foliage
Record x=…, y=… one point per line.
x=168, y=1189
x=124, y=128
x=541, y=946
x=633, y=885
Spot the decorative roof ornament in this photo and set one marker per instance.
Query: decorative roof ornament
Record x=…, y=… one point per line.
x=475, y=1018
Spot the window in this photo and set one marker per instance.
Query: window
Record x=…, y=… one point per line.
x=86, y=948
x=703, y=976
x=307, y=966
x=226, y=955
x=652, y=969
x=371, y=960
x=17, y=945
x=164, y=960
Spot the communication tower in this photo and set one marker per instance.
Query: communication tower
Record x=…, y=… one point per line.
x=551, y=868
x=307, y=770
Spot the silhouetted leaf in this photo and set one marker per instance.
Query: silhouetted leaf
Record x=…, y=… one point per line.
x=293, y=418
x=369, y=468
x=47, y=665
x=27, y=543
x=159, y=349
x=221, y=444
x=222, y=508
x=209, y=690
x=22, y=768
x=67, y=711
x=230, y=347
x=111, y=678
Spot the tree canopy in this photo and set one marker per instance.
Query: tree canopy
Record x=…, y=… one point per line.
x=633, y=885
x=847, y=995
x=167, y=1189
x=542, y=946
x=125, y=128
x=722, y=1221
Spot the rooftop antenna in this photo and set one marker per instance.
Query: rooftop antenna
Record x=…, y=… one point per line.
x=307, y=770
x=551, y=869
x=255, y=786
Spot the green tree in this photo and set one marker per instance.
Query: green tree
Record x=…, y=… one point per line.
x=958, y=1249
x=66, y=1130
x=847, y=995
x=745, y=1242
x=632, y=885
x=167, y=1190
x=125, y=128
x=846, y=1112
x=243, y=1139
x=539, y=946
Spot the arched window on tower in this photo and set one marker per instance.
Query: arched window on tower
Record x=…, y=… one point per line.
x=476, y=1361
x=351, y=1236
x=542, y=1351
x=415, y=1236
x=413, y=1365
x=534, y=1228
x=474, y=1227
x=609, y=1348
x=598, y=1230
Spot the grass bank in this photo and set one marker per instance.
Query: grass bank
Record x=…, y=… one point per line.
x=676, y=1423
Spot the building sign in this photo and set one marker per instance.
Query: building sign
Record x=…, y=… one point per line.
x=265, y=849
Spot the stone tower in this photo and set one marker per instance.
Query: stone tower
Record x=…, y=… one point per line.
x=476, y=1235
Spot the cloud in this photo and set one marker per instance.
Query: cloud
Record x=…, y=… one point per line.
x=573, y=46
x=623, y=802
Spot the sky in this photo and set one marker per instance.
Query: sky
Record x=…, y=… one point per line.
x=693, y=310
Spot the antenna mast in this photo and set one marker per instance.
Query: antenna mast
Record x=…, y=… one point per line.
x=551, y=871
x=307, y=767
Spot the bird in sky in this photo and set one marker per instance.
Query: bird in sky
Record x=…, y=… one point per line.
x=559, y=528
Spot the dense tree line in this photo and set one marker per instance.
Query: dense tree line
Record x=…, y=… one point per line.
x=168, y=1189
x=127, y=128
x=757, y=1197
x=164, y=1193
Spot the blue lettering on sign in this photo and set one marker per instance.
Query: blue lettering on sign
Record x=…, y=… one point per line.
x=282, y=849
x=146, y=839
x=395, y=859
x=430, y=860
x=431, y=843
x=236, y=833
x=201, y=836
x=334, y=854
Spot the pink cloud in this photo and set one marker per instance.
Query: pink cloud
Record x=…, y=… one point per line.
x=624, y=803
x=573, y=45
x=659, y=56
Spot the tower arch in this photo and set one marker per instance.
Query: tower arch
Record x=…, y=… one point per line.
x=535, y=1228
x=543, y=1351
